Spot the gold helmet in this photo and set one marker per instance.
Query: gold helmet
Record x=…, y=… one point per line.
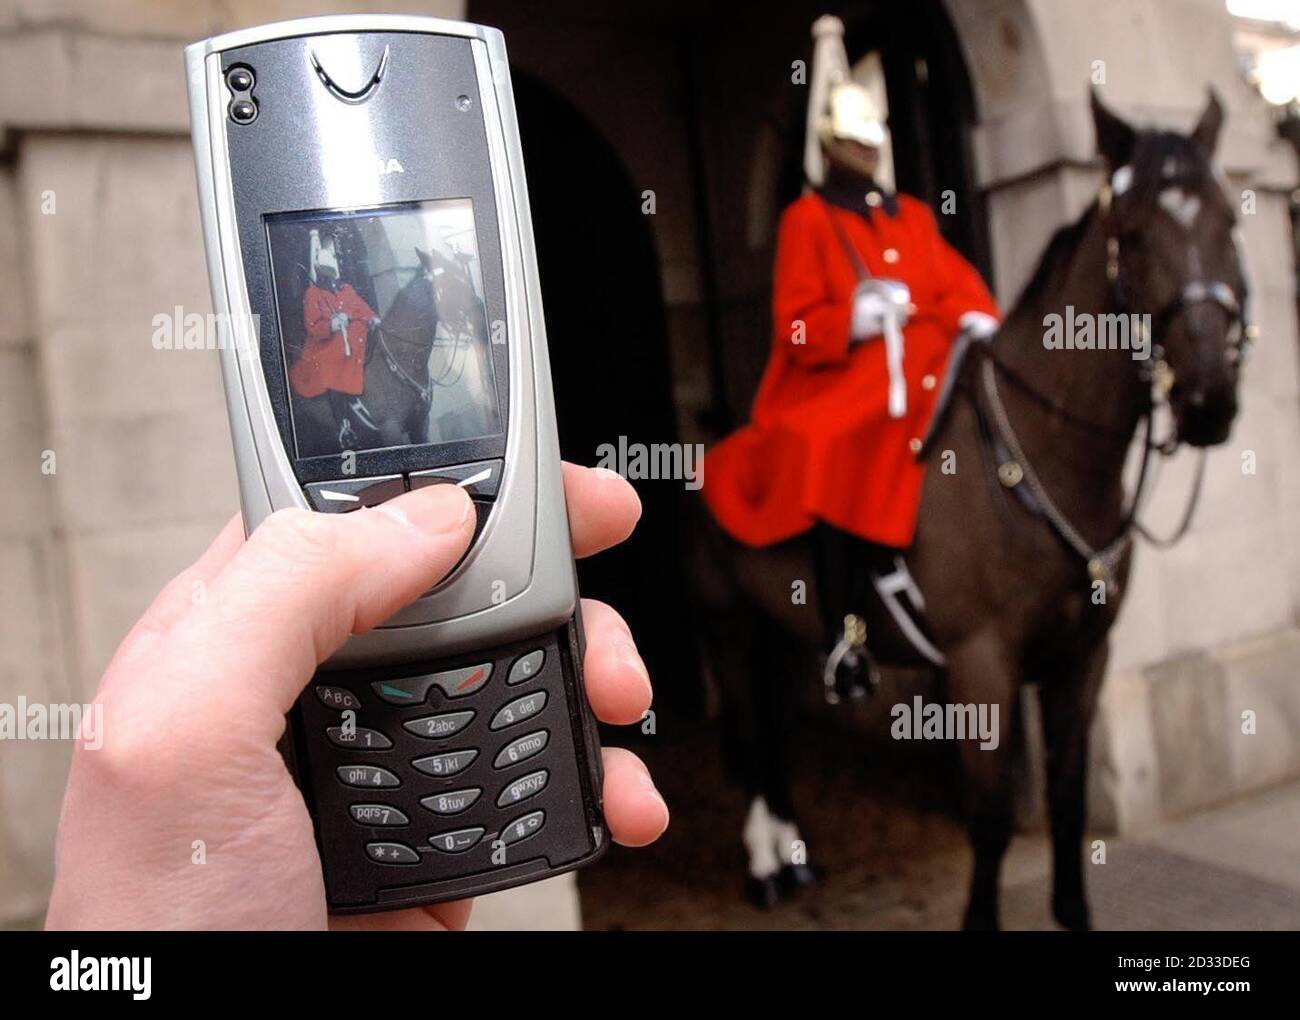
x=851, y=113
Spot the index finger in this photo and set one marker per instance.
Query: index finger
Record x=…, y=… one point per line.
x=603, y=508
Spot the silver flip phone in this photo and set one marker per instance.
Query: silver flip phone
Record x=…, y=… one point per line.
x=370, y=249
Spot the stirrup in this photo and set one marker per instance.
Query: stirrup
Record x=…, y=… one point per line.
x=850, y=671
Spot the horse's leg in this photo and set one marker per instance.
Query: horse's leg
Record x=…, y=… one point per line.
x=777, y=684
x=754, y=740
x=984, y=671
x=1069, y=700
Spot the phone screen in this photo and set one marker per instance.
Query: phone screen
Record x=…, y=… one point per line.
x=383, y=327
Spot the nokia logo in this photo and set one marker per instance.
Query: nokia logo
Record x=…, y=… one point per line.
x=390, y=166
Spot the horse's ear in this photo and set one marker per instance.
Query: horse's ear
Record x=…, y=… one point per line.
x=1115, y=137
x=424, y=258
x=1206, y=132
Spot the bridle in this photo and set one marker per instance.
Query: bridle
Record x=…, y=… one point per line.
x=1017, y=474
x=1242, y=333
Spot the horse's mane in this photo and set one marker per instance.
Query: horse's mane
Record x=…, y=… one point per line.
x=1152, y=151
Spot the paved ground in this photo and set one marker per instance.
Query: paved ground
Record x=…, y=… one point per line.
x=881, y=820
x=883, y=824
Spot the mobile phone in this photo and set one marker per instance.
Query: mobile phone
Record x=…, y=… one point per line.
x=371, y=256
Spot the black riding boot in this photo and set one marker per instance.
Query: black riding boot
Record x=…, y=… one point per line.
x=844, y=586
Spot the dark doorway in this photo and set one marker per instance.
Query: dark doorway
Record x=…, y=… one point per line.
x=609, y=360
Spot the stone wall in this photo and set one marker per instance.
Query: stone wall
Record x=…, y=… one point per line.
x=99, y=232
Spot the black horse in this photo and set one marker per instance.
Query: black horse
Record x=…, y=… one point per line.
x=432, y=330
x=1014, y=547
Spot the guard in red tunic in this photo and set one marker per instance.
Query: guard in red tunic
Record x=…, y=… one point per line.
x=868, y=299
x=333, y=359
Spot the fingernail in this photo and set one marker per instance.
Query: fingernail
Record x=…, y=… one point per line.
x=433, y=510
x=662, y=805
x=606, y=474
x=630, y=657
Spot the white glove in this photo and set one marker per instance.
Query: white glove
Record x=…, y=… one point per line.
x=875, y=300
x=979, y=325
x=338, y=322
x=880, y=308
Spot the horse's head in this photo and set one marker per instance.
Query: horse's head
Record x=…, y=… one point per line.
x=1172, y=256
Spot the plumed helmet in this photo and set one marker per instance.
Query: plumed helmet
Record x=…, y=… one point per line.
x=851, y=113
x=843, y=103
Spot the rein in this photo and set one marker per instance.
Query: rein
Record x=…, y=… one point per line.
x=1017, y=474
x=425, y=392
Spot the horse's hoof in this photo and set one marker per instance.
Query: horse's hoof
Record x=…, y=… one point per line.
x=794, y=877
x=763, y=893
x=1072, y=915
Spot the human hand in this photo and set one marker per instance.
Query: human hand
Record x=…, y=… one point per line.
x=977, y=325
x=874, y=301
x=195, y=698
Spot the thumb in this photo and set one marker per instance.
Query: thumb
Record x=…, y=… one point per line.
x=304, y=582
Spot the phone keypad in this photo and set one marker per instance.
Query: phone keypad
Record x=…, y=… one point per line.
x=525, y=667
x=447, y=764
x=366, y=775
x=519, y=710
x=359, y=737
x=522, y=749
x=377, y=815
x=452, y=803
x=392, y=853
x=482, y=779
x=438, y=727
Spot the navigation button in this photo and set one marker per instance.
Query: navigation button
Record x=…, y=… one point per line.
x=481, y=479
x=347, y=494
x=454, y=683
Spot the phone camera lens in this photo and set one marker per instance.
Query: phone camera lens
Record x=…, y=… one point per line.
x=243, y=111
x=240, y=79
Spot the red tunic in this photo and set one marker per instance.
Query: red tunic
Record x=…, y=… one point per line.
x=821, y=444
x=324, y=363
